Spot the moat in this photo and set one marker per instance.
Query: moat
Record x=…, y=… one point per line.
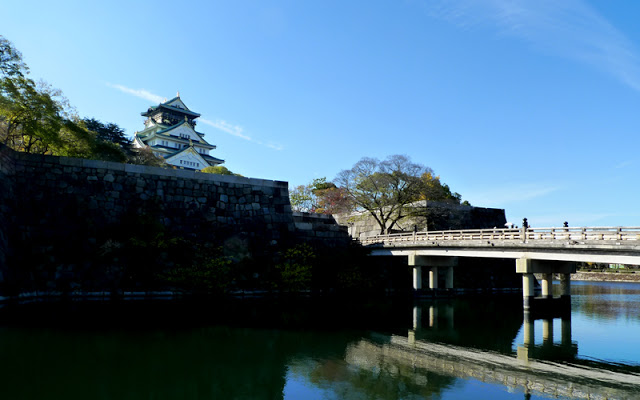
x=302, y=349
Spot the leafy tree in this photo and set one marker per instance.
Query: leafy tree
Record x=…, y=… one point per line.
x=36, y=118
x=109, y=132
x=145, y=156
x=384, y=189
x=296, y=268
x=319, y=196
x=11, y=63
x=218, y=169
x=330, y=199
x=31, y=114
x=302, y=199
x=433, y=189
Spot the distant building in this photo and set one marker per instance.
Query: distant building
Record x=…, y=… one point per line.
x=170, y=133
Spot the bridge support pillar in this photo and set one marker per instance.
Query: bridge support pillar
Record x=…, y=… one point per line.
x=527, y=267
x=527, y=290
x=546, y=284
x=433, y=263
x=448, y=282
x=565, y=285
x=433, y=278
x=417, y=277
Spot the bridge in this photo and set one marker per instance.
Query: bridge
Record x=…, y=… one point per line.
x=545, y=251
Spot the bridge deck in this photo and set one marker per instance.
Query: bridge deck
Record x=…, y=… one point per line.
x=604, y=244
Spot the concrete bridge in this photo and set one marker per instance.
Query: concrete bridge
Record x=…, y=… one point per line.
x=545, y=251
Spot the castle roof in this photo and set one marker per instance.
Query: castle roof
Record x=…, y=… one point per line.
x=175, y=104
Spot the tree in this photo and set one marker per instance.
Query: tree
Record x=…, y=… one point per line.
x=31, y=114
x=36, y=118
x=145, y=156
x=319, y=196
x=302, y=199
x=218, y=169
x=433, y=189
x=384, y=189
x=11, y=63
x=330, y=199
x=109, y=132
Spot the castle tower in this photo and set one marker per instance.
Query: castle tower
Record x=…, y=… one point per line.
x=170, y=133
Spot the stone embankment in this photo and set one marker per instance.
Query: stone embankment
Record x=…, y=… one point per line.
x=606, y=276
x=59, y=215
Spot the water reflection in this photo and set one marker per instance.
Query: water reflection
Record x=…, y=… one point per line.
x=439, y=349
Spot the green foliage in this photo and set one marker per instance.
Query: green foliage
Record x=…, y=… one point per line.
x=319, y=196
x=209, y=273
x=145, y=156
x=296, y=268
x=36, y=118
x=218, y=169
x=109, y=134
x=302, y=199
x=11, y=64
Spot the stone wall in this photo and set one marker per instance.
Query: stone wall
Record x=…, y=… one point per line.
x=56, y=213
x=7, y=171
x=429, y=215
x=59, y=216
x=312, y=227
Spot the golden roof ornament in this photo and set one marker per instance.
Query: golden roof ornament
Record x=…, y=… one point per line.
x=178, y=95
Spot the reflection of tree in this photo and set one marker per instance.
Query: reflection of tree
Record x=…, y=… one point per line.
x=373, y=378
x=607, y=300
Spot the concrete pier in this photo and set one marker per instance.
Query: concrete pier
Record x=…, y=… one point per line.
x=433, y=278
x=546, y=303
x=417, y=277
x=433, y=263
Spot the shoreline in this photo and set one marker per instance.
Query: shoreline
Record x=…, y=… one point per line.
x=606, y=277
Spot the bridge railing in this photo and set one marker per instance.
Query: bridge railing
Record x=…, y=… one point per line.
x=523, y=235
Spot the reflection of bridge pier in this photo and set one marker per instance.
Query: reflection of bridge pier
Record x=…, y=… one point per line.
x=565, y=350
x=546, y=303
x=417, y=358
x=440, y=317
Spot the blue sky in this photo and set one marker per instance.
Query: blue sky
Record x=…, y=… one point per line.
x=531, y=106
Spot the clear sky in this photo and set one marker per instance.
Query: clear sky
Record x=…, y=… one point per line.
x=527, y=105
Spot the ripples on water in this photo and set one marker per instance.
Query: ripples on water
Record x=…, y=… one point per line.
x=445, y=349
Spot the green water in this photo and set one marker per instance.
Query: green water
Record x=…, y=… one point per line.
x=322, y=350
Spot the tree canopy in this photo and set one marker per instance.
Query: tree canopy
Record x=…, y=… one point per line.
x=36, y=118
x=218, y=169
x=319, y=196
x=387, y=189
